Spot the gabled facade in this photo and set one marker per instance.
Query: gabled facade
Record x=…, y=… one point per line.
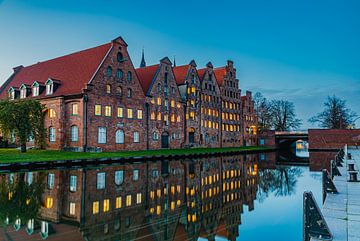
x=231, y=124
x=210, y=108
x=165, y=110
x=190, y=88
x=249, y=120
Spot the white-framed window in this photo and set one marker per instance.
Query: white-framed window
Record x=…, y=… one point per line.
x=11, y=93
x=73, y=183
x=100, y=180
x=102, y=135
x=44, y=227
x=22, y=92
x=72, y=208
x=30, y=224
x=49, y=87
x=136, y=174
x=136, y=137
x=52, y=134
x=35, y=89
x=139, y=114
x=74, y=133
x=119, y=177
x=50, y=180
x=119, y=137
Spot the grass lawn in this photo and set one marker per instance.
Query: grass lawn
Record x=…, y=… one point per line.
x=14, y=155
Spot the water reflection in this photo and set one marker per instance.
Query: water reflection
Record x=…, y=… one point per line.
x=159, y=200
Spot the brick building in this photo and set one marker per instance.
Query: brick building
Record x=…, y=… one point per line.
x=96, y=100
x=165, y=111
x=249, y=120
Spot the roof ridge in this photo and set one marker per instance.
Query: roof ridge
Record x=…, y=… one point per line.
x=66, y=55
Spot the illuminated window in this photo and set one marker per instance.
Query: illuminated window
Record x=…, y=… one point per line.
x=178, y=203
x=49, y=202
x=72, y=208
x=193, y=89
x=120, y=112
x=172, y=117
x=178, y=105
x=97, y=109
x=158, y=193
x=178, y=118
x=158, y=209
x=139, y=114
x=129, y=113
x=152, y=195
x=107, y=110
x=138, y=198
x=152, y=115
x=128, y=200
x=159, y=116
x=158, y=101
x=96, y=207
x=172, y=205
x=172, y=103
x=108, y=89
x=106, y=205
x=75, y=109
x=52, y=113
x=118, y=202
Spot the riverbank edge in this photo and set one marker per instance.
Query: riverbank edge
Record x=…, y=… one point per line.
x=10, y=166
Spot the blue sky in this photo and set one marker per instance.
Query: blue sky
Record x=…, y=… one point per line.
x=296, y=50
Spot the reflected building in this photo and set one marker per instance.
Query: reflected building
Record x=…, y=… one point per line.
x=155, y=200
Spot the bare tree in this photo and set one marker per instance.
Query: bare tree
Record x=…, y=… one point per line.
x=335, y=115
x=283, y=115
x=262, y=110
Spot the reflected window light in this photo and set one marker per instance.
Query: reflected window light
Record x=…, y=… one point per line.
x=158, y=210
x=128, y=200
x=49, y=202
x=172, y=205
x=178, y=203
x=118, y=202
x=178, y=188
x=106, y=205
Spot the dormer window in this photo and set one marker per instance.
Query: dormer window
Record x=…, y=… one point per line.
x=49, y=87
x=23, y=92
x=11, y=93
x=35, y=89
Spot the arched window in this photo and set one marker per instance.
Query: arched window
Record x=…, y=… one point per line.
x=129, y=76
x=119, y=74
x=109, y=71
x=119, y=137
x=74, y=133
x=108, y=89
x=119, y=90
x=155, y=136
x=52, y=134
x=129, y=93
x=119, y=57
x=159, y=87
x=49, y=87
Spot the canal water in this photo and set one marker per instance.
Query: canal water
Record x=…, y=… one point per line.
x=242, y=197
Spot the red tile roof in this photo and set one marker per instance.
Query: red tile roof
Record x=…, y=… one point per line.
x=220, y=73
x=180, y=73
x=73, y=71
x=146, y=76
x=201, y=73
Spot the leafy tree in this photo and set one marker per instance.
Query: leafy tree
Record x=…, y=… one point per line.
x=25, y=119
x=283, y=115
x=335, y=115
x=20, y=200
x=262, y=111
